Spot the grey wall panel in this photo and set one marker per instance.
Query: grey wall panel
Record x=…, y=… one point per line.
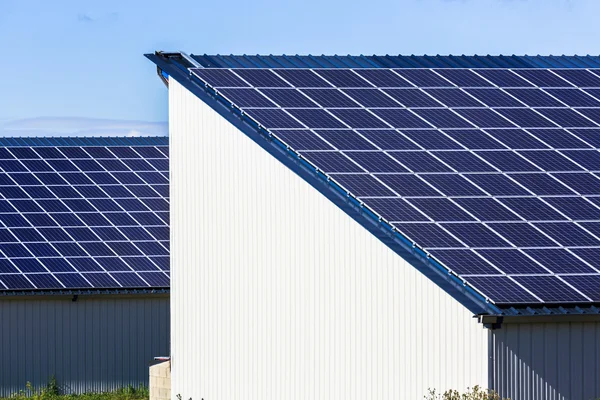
x=555, y=361
x=97, y=343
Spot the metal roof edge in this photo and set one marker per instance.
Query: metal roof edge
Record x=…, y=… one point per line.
x=81, y=292
x=82, y=141
x=452, y=285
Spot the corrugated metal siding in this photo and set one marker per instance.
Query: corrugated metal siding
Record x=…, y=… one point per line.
x=548, y=361
x=94, y=344
x=276, y=293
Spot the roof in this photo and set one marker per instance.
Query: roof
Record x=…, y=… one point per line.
x=84, y=215
x=299, y=130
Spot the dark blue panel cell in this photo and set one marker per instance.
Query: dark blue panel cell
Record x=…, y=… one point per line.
x=40, y=219
x=162, y=262
x=302, y=140
x=155, y=279
x=55, y=234
x=124, y=152
x=102, y=178
x=37, y=165
x=427, y=235
x=588, y=159
x=584, y=184
x=589, y=255
x=109, y=233
x=568, y=234
x=363, y=185
x=396, y=209
x=91, y=192
x=532, y=209
x=5, y=154
x=484, y=118
x=534, y=98
x=82, y=234
x=431, y=139
x=273, y=118
x=29, y=265
x=593, y=227
x=65, y=192
x=463, y=161
x=219, y=77
x=146, y=218
x=288, y=98
x=63, y=165
x=512, y=261
x=453, y=97
x=550, y=160
x=128, y=178
x=99, y=152
x=137, y=233
x=408, y=185
x=586, y=284
x=158, y=232
x=542, y=184
x=72, y=281
x=475, y=235
x=113, y=165
x=383, y=78
x=440, y=209
x=591, y=136
x=568, y=118
x=358, y=118
x=343, y=78
x=516, y=139
x=51, y=179
x=5, y=180
x=13, y=192
x=129, y=279
x=164, y=150
x=443, y=118
x=57, y=265
x=389, y=139
x=463, y=77
x=100, y=280
x=93, y=219
x=124, y=248
x=247, y=98
x=148, y=152
x=550, y=289
x=559, y=261
x=419, y=161
x=163, y=190
x=591, y=113
x=487, y=209
x=153, y=177
x=26, y=206
x=574, y=97
x=79, y=205
x=112, y=264
x=423, y=78
x=5, y=206
x=105, y=205
x=521, y=234
x=38, y=192
x=13, y=220
x=330, y=98
x=97, y=249
x=15, y=250
x=25, y=235
x=151, y=248
x=49, y=152
x=576, y=208
x=526, y=118
x=371, y=98
x=44, y=281
x=594, y=92
x=15, y=282
x=558, y=138
x=464, y=262
x=131, y=204
x=116, y=191
x=579, y=77
x=42, y=249
x=23, y=152
x=148, y=191
x=413, y=98
x=120, y=219
x=302, y=78
x=314, y=118
x=70, y=249
x=24, y=179
x=138, y=165
x=84, y=264
x=12, y=166
x=494, y=98
x=6, y=267
x=542, y=78
x=452, y=185
x=375, y=161
x=331, y=161
x=74, y=178
x=507, y=161
x=503, y=78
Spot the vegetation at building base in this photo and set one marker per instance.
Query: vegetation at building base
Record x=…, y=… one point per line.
x=475, y=393
x=51, y=391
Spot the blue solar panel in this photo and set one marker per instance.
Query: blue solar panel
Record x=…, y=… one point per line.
x=475, y=166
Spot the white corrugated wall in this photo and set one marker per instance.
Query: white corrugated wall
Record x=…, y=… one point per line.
x=278, y=294
x=94, y=344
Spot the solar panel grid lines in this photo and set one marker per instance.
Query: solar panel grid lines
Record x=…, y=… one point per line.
x=465, y=138
x=83, y=243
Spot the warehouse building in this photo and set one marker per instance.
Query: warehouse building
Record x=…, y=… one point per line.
x=84, y=261
x=371, y=227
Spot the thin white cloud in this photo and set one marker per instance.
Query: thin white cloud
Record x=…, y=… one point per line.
x=66, y=126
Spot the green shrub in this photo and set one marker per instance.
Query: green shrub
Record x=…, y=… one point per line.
x=475, y=393
x=51, y=391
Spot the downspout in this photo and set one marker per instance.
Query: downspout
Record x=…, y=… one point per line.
x=491, y=364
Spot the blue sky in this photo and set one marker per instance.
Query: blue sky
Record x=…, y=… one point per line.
x=64, y=59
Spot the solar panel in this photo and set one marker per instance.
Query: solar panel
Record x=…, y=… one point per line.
x=493, y=172
x=60, y=230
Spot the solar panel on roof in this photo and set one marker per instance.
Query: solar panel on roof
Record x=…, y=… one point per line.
x=52, y=233
x=483, y=152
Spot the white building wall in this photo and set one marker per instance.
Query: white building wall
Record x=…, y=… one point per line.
x=278, y=294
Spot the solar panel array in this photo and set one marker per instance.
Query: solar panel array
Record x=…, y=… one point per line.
x=493, y=172
x=90, y=217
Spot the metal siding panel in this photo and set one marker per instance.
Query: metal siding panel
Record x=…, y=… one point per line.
x=80, y=342
x=278, y=294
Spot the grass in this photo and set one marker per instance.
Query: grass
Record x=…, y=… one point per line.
x=475, y=393
x=52, y=392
